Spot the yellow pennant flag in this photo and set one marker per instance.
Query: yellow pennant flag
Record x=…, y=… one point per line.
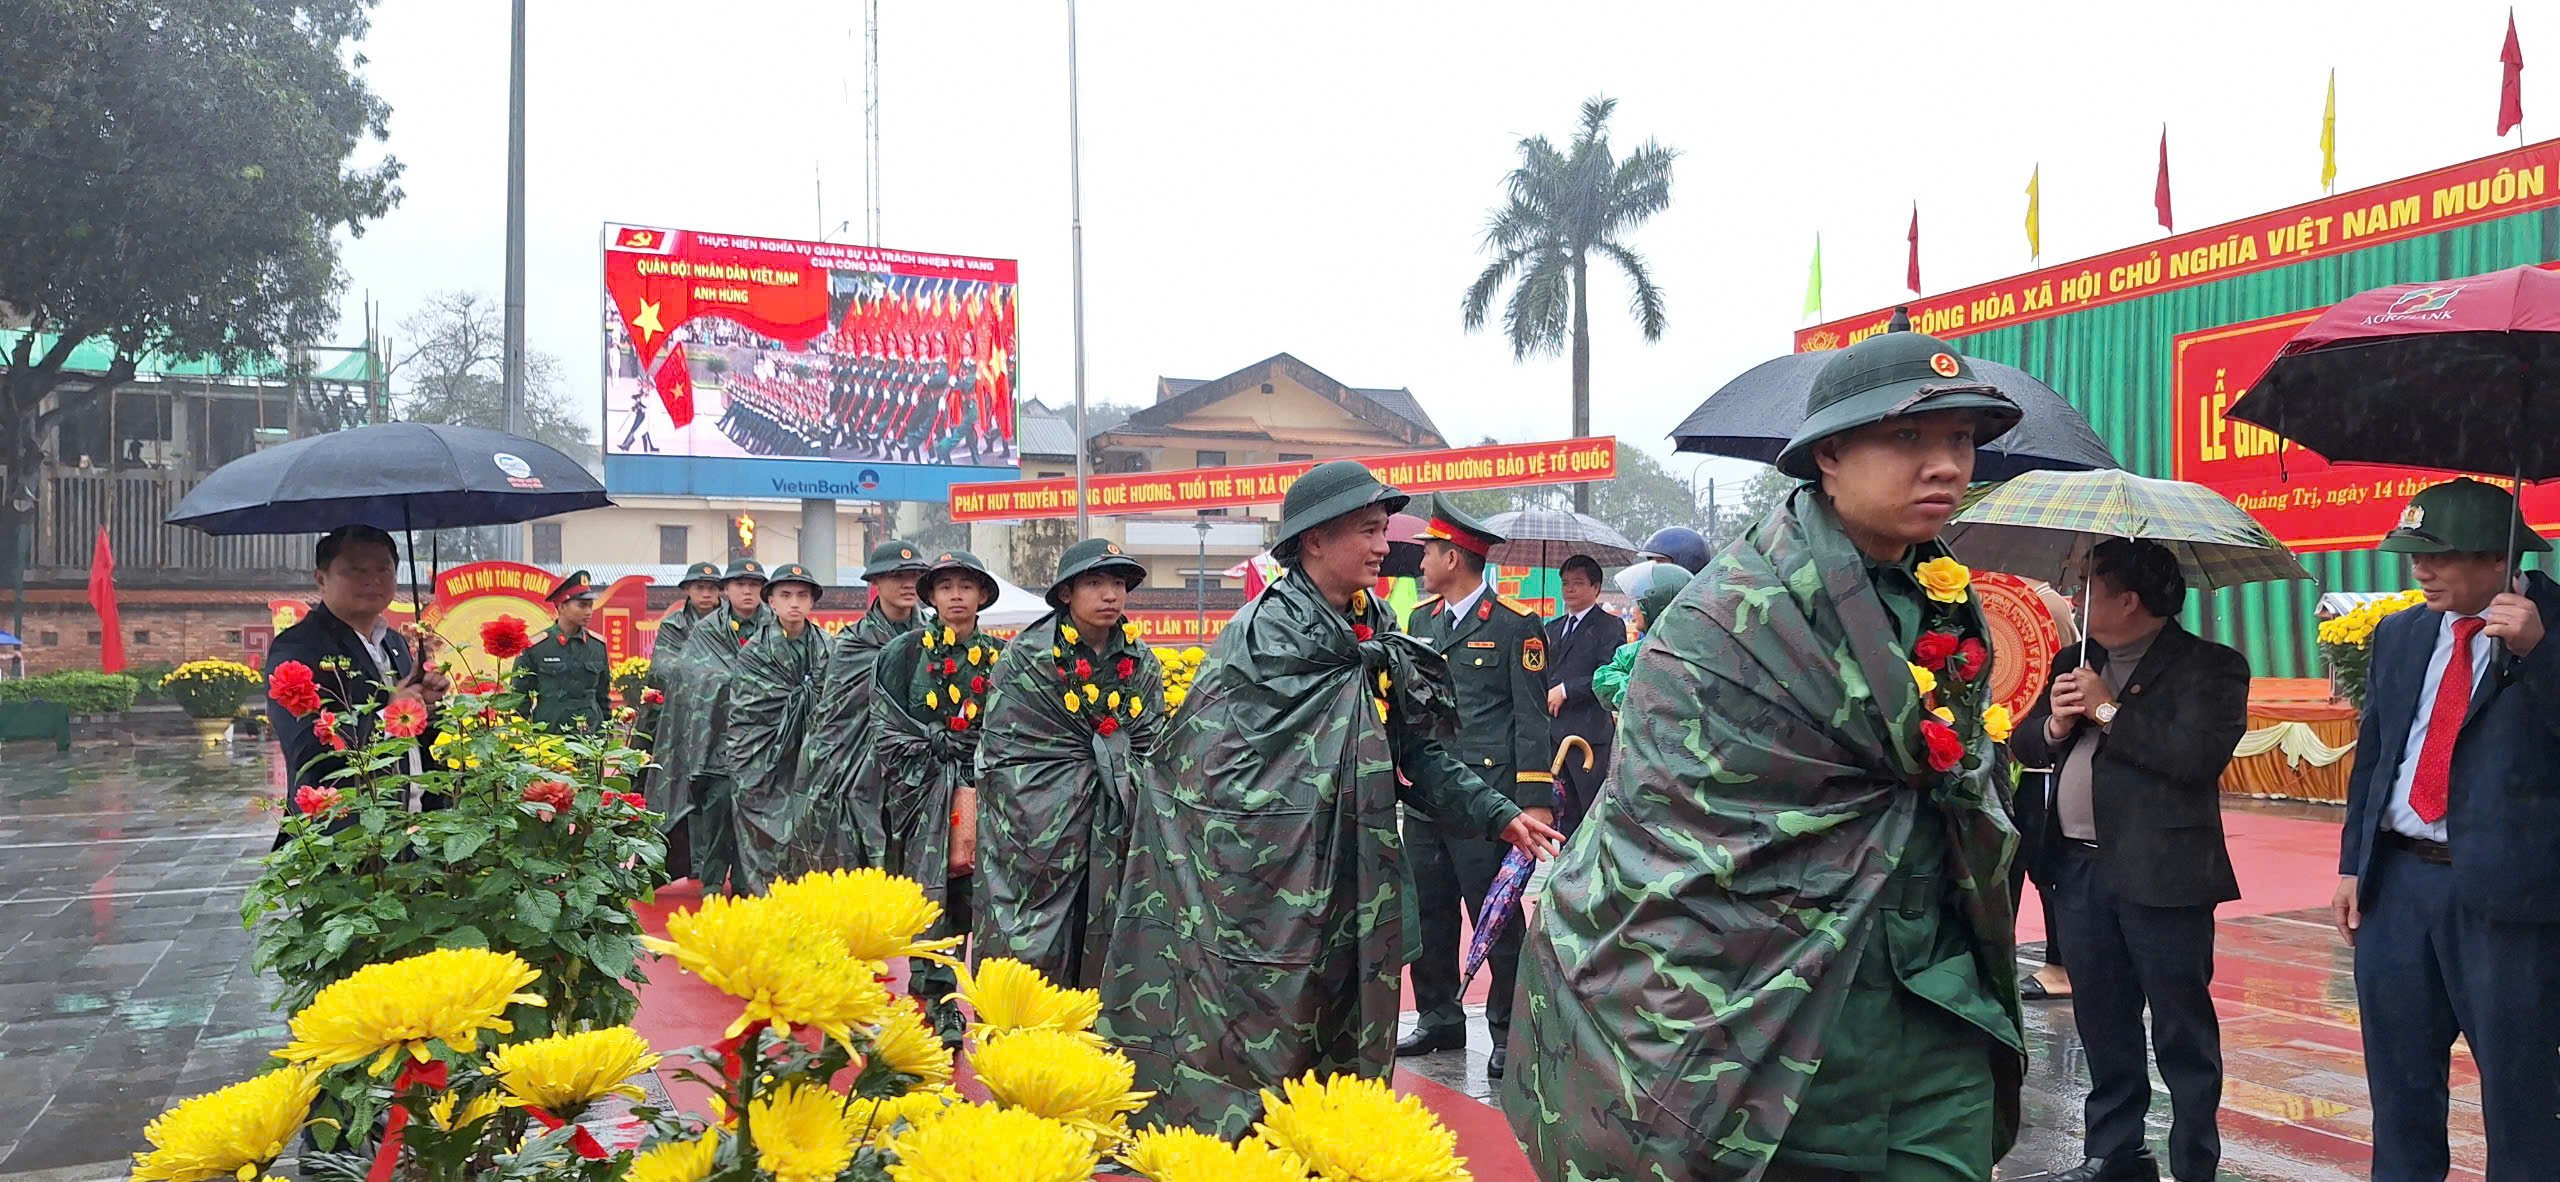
x=2329, y=136
x=2035, y=212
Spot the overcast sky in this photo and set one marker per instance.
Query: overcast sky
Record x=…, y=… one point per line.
x=1314, y=177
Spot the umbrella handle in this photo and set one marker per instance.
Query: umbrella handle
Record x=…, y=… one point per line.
x=1565, y=747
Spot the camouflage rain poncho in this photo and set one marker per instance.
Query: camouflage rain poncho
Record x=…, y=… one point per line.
x=923, y=762
x=844, y=818
x=1265, y=915
x=1053, y=808
x=679, y=730
x=1702, y=929
x=711, y=652
x=771, y=695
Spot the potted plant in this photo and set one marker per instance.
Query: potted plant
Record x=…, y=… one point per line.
x=2346, y=643
x=210, y=692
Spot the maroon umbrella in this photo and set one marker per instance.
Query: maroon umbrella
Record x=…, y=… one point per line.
x=2450, y=374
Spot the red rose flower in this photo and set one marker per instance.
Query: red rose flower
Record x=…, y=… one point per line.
x=552, y=794
x=1084, y=668
x=950, y=665
x=1970, y=658
x=652, y=697
x=405, y=719
x=1128, y=668
x=1362, y=631
x=315, y=801
x=293, y=689
x=504, y=638
x=1945, y=749
x=1107, y=727
x=959, y=722
x=978, y=684
x=630, y=800
x=326, y=730
x=1933, y=650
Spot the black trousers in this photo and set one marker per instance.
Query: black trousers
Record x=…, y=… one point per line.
x=2125, y=958
x=1452, y=870
x=2028, y=812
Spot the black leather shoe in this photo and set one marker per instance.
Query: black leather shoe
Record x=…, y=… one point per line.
x=1423, y=1041
x=1501, y=1059
x=2124, y=1167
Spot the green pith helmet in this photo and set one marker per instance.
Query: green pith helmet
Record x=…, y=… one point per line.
x=962, y=560
x=1327, y=491
x=700, y=572
x=2462, y=516
x=792, y=572
x=1664, y=585
x=576, y=586
x=1093, y=554
x=893, y=556
x=744, y=568
x=1886, y=376
x=1451, y=524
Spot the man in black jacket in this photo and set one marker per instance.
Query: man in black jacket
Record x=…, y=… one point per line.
x=2138, y=739
x=1579, y=642
x=355, y=656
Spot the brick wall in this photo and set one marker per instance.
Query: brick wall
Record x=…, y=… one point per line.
x=63, y=635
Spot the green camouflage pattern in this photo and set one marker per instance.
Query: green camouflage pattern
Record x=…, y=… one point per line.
x=772, y=692
x=1053, y=807
x=844, y=820
x=1265, y=913
x=567, y=683
x=1702, y=931
x=713, y=648
x=678, y=730
x=923, y=764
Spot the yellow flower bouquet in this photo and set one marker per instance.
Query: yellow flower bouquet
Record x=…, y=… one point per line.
x=2346, y=642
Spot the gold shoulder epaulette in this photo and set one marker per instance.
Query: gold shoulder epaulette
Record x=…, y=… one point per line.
x=1517, y=606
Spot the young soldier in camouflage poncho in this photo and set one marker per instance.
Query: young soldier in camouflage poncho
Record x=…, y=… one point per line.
x=1053, y=789
x=1265, y=919
x=925, y=723
x=836, y=772
x=714, y=647
x=677, y=730
x=770, y=699
x=1781, y=945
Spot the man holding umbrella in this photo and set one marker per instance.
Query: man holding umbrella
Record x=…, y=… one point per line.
x=355, y=656
x=1053, y=783
x=2450, y=894
x=836, y=769
x=567, y=674
x=1781, y=945
x=1497, y=659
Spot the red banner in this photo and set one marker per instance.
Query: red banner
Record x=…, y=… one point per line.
x=2307, y=502
x=2473, y=191
x=1501, y=465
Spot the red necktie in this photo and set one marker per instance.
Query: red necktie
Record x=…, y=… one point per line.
x=2434, y=780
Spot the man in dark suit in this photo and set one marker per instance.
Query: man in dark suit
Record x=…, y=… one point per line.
x=2138, y=738
x=2450, y=891
x=1498, y=666
x=1579, y=642
x=355, y=656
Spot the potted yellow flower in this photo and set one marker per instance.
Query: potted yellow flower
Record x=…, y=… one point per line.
x=211, y=692
x=2346, y=642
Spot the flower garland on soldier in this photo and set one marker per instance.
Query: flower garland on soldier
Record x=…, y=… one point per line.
x=956, y=677
x=1101, y=694
x=1952, y=667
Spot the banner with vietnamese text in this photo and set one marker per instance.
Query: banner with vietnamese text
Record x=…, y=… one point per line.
x=1501, y=465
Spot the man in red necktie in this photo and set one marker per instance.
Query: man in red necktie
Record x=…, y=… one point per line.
x=2451, y=890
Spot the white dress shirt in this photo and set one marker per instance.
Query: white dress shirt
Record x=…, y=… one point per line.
x=1458, y=608
x=2397, y=816
x=1573, y=620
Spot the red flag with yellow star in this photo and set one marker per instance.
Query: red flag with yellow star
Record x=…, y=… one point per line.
x=675, y=388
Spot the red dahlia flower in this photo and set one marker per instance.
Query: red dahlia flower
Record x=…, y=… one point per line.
x=314, y=801
x=652, y=697
x=405, y=719
x=504, y=638
x=293, y=689
x=326, y=730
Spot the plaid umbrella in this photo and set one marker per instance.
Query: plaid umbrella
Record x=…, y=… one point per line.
x=1513, y=878
x=1541, y=539
x=2038, y=524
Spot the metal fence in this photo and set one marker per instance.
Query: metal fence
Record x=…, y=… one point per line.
x=132, y=505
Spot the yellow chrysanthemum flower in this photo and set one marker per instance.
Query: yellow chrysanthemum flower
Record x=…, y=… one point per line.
x=1188, y=1155
x=789, y=972
x=1348, y=1127
x=879, y=916
x=561, y=1073
x=983, y=1143
x=874, y=1122
x=676, y=1161
x=1927, y=681
x=909, y=1047
x=1010, y=995
x=1997, y=723
x=231, y=1133
x=1195, y=654
x=1944, y=578
x=380, y=1011
x=1061, y=1076
x=1067, y=632
x=800, y=1133
x=481, y=1107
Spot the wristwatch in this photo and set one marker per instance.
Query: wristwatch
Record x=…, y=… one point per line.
x=2105, y=714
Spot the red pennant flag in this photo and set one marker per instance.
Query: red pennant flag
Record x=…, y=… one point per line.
x=1914, y=278
x=102, y=599
x=675, y=388
x=2160, y=187
x=2511, y=88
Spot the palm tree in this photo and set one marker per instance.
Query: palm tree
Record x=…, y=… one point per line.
x=1560, y=207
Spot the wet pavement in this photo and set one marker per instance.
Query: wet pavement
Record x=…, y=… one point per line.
x=124, y=986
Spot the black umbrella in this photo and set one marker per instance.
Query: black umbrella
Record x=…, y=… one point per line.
x=1753, y=416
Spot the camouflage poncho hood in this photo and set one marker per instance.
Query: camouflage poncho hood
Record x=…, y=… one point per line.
x=1704, y=926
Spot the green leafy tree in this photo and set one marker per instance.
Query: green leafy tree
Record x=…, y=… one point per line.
x=173, y=177
x=1560, y=207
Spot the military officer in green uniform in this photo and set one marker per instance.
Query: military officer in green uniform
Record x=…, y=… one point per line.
x=567, y=676
x=1497, y=656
